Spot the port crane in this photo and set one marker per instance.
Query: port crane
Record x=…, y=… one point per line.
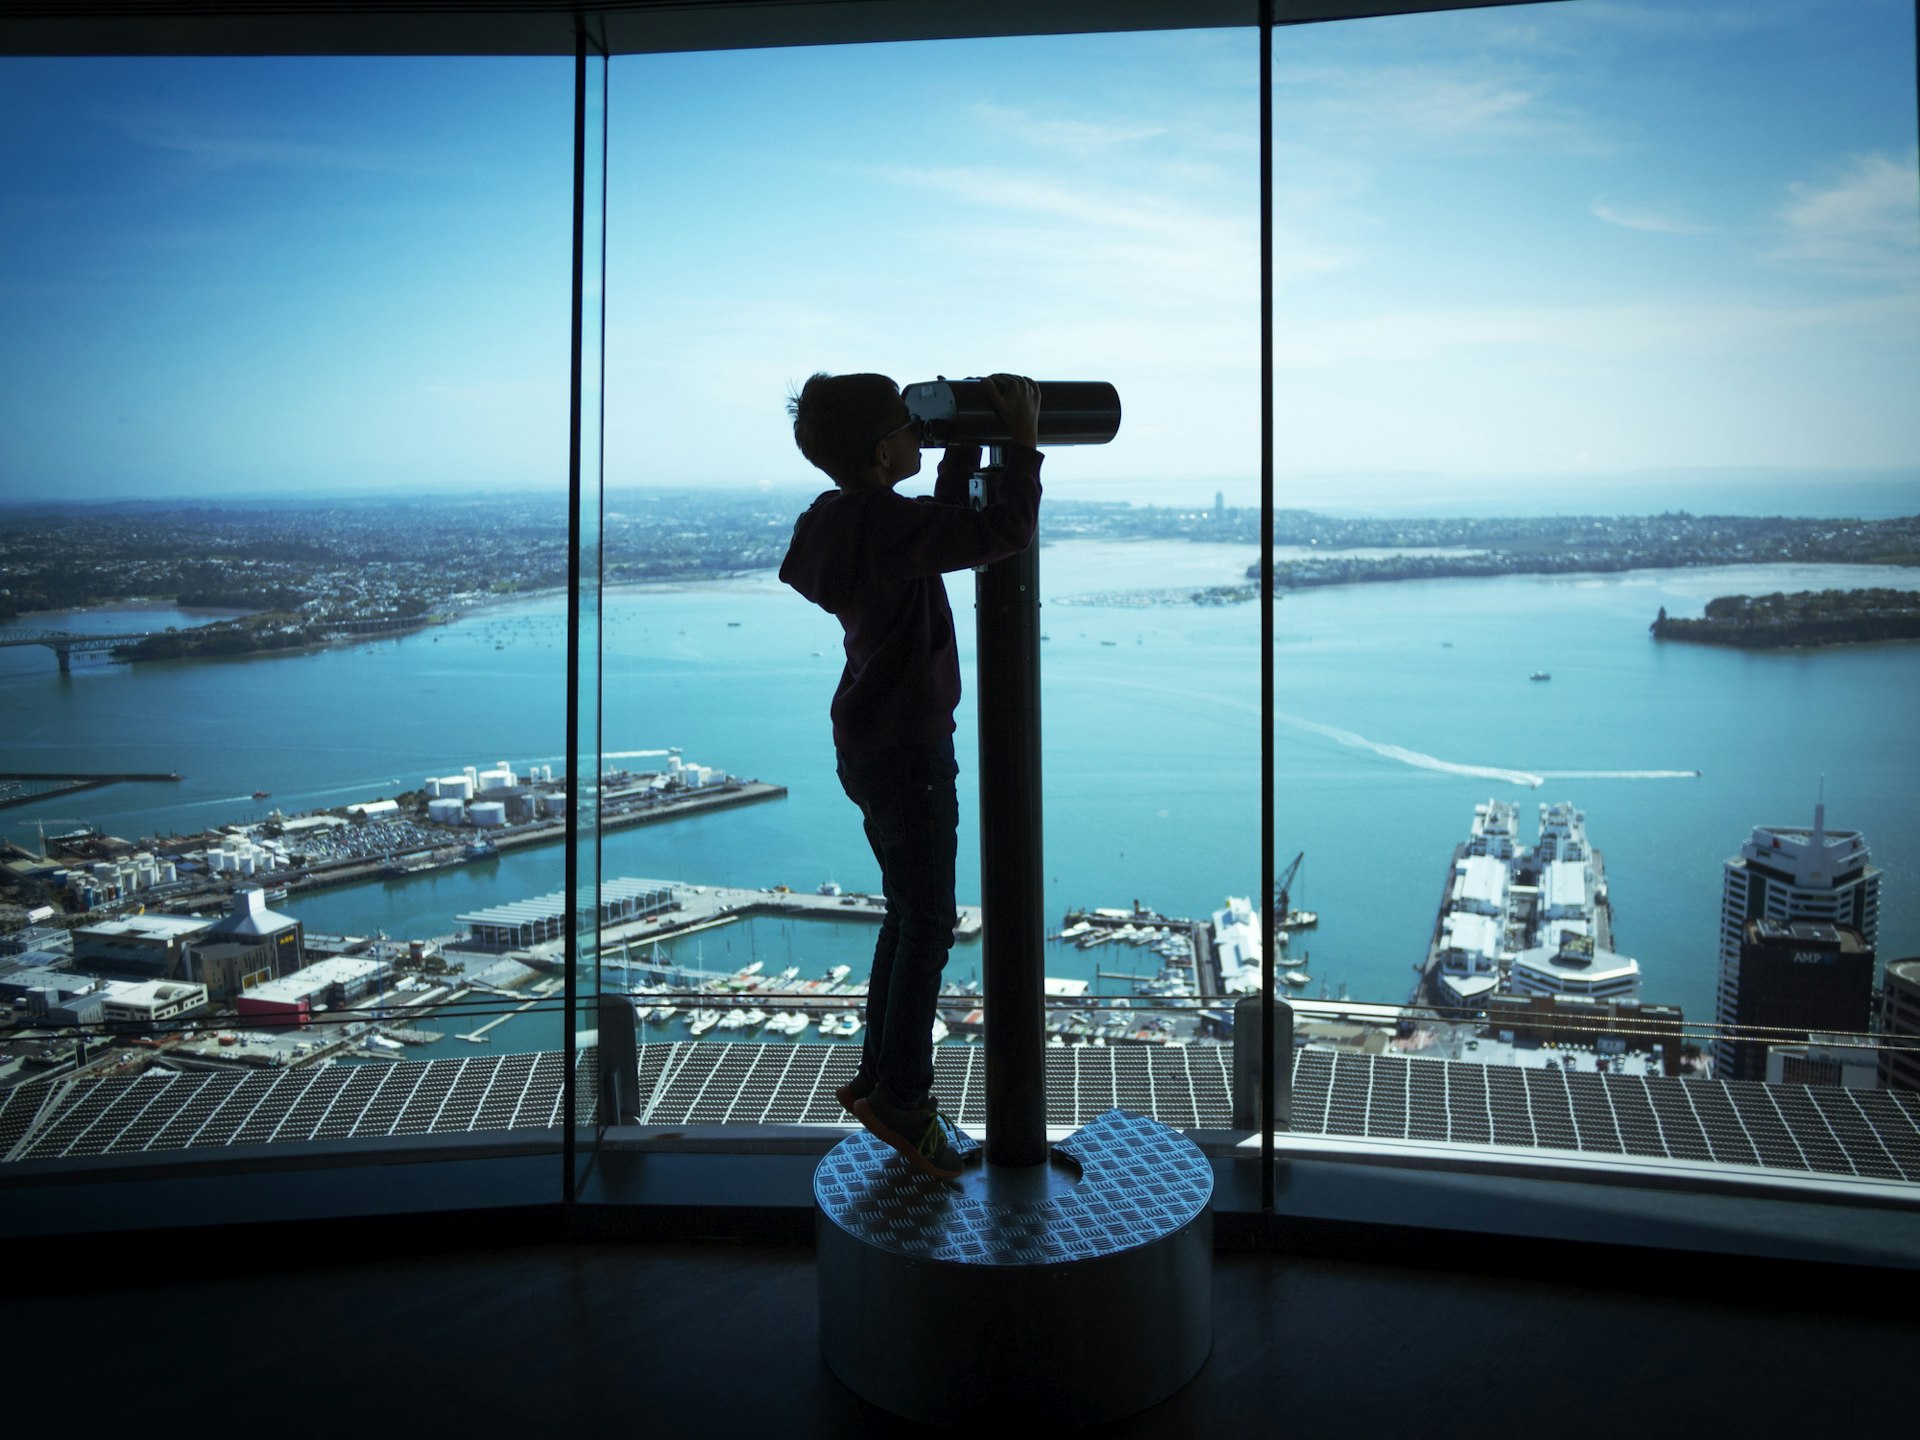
x=1281, y=889
x=46, y=820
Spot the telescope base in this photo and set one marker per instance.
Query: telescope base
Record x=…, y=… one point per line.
x=1074, y=1293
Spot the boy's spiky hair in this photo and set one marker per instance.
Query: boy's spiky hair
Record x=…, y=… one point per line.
x=837, y=419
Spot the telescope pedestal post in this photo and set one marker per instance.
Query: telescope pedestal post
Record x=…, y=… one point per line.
x=1068, y=1284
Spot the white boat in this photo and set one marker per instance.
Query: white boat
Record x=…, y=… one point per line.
x=791, y=972
x=736, y=1019
x=787, y=1022
x=1296, y=977
x=839, y=973
x=705, y=1020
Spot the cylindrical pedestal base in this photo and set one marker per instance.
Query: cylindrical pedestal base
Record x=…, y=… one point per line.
x=1071, y=1294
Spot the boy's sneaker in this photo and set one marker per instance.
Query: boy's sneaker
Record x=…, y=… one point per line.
x=857, y=1088
x=924, y=1136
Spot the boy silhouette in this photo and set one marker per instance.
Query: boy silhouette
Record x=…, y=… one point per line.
x=873, y=558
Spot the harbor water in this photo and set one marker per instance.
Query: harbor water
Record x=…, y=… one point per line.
x=1399, y=706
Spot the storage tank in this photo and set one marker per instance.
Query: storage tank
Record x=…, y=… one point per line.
x=554, y=804
x=472, y=775
x=487, y=813
x=499, y=779
x=448, y=810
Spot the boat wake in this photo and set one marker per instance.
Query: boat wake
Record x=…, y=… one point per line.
x=1413, y=757
x=1620, y=774
x=1526, y=778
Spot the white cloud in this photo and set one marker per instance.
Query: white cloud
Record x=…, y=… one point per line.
x=225, y=146
x=1864, y=222
x=1456, y=107
x=1012, y=122
x=1652, y=221
x=1616, y=333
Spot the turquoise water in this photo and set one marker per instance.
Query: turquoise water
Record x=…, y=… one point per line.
x=1401, y=706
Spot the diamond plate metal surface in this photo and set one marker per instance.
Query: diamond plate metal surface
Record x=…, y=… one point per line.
x=1139, y=1183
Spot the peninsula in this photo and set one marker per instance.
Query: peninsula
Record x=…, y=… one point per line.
x=1802, y=620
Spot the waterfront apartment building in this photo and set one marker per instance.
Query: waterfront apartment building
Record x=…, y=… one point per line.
x=1797, y=979
x=1784, y=874
x=1900, y=1026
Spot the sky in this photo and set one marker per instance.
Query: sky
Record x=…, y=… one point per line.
x=1561, y=247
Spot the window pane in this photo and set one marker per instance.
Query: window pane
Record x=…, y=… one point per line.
x=1586, y=319
x=285, y=389
x=1080, y=208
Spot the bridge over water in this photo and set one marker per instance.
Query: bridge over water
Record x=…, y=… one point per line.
x=65, y=645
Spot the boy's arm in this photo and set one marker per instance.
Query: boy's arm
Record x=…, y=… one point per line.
x=957, y=466
x=909, y=538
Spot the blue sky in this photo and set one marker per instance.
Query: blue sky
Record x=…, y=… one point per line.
x=1561, y=243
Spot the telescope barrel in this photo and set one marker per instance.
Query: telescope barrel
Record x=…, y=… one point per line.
x=958, y=412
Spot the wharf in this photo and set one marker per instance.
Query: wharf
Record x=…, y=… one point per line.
x=703, y=907
x=24, y=787
x=1111, y=926
x=613, y=816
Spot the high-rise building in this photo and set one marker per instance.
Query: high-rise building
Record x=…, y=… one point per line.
x=1900, y=1026
x=1797, y=979
x=1785, y=874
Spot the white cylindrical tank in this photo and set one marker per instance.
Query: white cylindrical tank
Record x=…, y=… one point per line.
x=674, y=765
x=447, y=810
x=554, y=804
x=487, y=813
x=473, y=775
x=495, y=779
x=169, y=872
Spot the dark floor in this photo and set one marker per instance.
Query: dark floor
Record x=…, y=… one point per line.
x=719, y=1339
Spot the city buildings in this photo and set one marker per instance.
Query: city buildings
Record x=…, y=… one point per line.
x=1796, y=979
x=1784, y=874
x=1900, y=1026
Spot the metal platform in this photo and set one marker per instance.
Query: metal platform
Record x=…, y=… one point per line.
x=942, y=1301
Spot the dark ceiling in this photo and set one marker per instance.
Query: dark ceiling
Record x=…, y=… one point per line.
x=545, y=27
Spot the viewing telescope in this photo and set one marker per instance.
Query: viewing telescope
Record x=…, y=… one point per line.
x=958, y=412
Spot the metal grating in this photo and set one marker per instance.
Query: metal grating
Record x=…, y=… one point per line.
x=1873, y=1135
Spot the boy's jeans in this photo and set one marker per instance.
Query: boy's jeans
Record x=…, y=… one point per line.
x=911, y=810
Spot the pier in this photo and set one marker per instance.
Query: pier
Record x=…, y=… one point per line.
x=692, y=908
x=17, y=787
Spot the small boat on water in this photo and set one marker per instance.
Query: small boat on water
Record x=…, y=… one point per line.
x=1540, y=675
x=1296, y=977
x=705, y=1020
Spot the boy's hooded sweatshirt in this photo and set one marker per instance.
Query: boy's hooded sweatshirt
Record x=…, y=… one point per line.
x=874, y=558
